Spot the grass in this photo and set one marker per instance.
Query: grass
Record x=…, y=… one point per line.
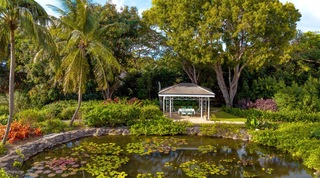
x=219, y=115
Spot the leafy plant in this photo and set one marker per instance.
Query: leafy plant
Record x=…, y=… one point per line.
x=155, y=144
x=3, y=150
x=3, y=119
x=207, y=148
x=281, y=116
x=31, y=116
x=53, y=126
x=303, y=98
x=150, y=111
x=316, y=134
x=3, y=174
x=67, y=113
x=17, y=164
x=295, y=138
x=4, y=110
x=196, y=168
x=20, y=131
x=61, y=166
x=160, y=125
x=112, y=114
x=56, y=108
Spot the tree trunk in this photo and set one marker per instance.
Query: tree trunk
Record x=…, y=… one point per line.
x=228, y=92
x=191, y=71
x=78, y=107
x=79, y=90
x=11, y=86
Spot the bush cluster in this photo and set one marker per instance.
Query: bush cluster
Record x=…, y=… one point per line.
x=4, y=110
x=304, y=97
x=261, y=104
x=150, y=111
x=281, y=116
x=296, y=138
x=158, y=125
x=112, y=115
x=60, y=109
x=3, y=174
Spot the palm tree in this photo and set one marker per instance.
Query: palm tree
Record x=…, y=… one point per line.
x=80, y=25
x=29, y=18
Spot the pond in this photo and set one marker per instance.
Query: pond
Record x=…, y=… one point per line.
x=174, y=156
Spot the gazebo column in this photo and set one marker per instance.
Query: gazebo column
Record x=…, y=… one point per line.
x=208, y=108
x=201, y=107
x=170, y=102
x=164, y=105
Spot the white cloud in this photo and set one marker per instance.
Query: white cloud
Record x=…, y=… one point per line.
x=44, y=4
x=309, y=9
x=118, y=3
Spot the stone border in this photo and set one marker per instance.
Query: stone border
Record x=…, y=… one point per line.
x=24, y=152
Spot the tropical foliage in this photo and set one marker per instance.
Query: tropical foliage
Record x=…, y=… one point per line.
x=296, y=138
x=79, y=32
x=227, y=35
x=20, y=131
x=30, y=19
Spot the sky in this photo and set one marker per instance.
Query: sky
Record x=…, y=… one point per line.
x=310, y=20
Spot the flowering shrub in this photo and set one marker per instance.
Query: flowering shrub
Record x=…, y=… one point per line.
x=261, y=104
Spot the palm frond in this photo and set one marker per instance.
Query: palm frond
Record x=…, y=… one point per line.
x=105, y=65
x=73, y=40
x=76, y=69
x=38, y=13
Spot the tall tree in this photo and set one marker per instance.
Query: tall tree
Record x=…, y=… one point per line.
x=227, y=34
x=80, y=30
x=29, y=18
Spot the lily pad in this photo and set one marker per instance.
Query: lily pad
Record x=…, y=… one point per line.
x=51, y=175
x=65, y=175
x=46, y=172
x=59, y=171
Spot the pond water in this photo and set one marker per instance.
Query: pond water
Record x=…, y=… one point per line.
x=178, y=156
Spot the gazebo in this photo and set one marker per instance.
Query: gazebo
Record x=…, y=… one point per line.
x=186, y=91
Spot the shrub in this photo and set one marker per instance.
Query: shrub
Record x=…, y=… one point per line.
x=295, y=138
x=281, y=116
x=261, y=104
x=4, y=110
x=20, y=131
x=53, y=126
x=112, y=114
x=67, y=113
x=3, y=150
x=304, y=97
x=3, y=174
x=150, y=111
x=31, y=116
x=56, y=108
x=21, y=101
x=266, y=104
x=3, y=119
x=159, y=125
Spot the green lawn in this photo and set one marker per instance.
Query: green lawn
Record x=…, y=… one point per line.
x=219, y=115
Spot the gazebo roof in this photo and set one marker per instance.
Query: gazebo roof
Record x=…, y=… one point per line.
x=186, y=90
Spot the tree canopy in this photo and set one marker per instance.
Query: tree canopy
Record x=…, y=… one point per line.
x=228, y=34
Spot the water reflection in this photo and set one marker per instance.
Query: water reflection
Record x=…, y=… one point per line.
x=239, y=158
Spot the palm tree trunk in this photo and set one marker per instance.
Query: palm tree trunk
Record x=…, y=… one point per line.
x=79, y=91
x=11, y=86
x=78, y=107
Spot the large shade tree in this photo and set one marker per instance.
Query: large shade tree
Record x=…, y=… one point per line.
x=227, y=34
x=79, y=30
x=30, y=19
